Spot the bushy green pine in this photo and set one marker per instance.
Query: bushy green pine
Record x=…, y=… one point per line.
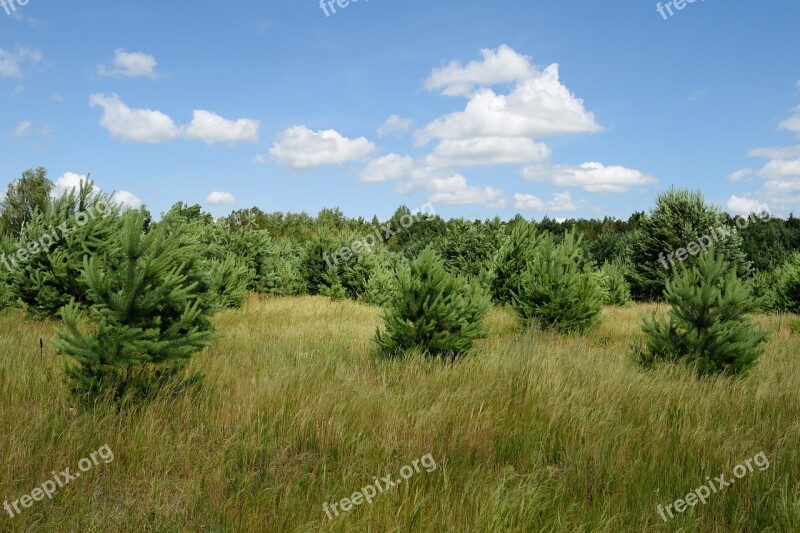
x=787, y=289
x=432, y=311
x=147, y=315
x=679, y=218
x=230, y=280
x=556, y=289
x=613, y=284
x=707, y=324
x=511, y=260
x=74, y=226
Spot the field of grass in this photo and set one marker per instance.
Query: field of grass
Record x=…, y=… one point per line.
x=532, y=432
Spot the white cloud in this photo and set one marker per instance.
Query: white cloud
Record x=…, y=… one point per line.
x=259, y=159
x=219, y=198
x=776, y=152
x=134, y=125
x=23, y=129
x=487, y=151
x=69, y=181
x=11, y=63
x=126, y=199
x=387, y=168
x=394, y=124
x=212, y=128
x=502, y=65
x=592, y=177
x=562, y=201
x=150, y=126
x=538, y=105
x=740, y=174
x=130, y=65
x=745, y=206
x=792, y=123
x=780, y=168
x=299, y=148
x=487, y=196
x=448, y=187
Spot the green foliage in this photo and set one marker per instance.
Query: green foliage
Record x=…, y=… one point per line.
x=556, y=288
x=76, y=225
x=230, y=279
x=511, y=260
x=432, y=311
x=787, y=289
x=317, y=259
x=147, y=313
x=467, y=248
x=679, y=218
x=795, y=327
x=382, y=283
x=707, y=323
x=23, y=198
x=613, y=284
x=763, y=290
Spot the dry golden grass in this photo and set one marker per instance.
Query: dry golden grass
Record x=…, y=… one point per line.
x=532, y=432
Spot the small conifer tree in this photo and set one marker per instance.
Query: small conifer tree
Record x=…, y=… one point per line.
x=147, y=314
x=707, y=324
x=511, y=260
x=557, y=289
x=432, y=311
x=787, y=289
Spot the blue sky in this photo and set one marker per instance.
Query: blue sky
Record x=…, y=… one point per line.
x=564, y=108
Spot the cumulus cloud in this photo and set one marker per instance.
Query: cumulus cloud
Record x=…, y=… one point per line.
x=740, y=174
x=390, y=167
x=150, y=126
x=745, y=206
x=394, y=124
x=538, y=104
x=592, y=177
x=299, y=148
x=503, y=65
x=12, y=62
x=561, y=202
x=126, y=200
x=212, y=128
x=23, y=129
x=134, y=125
x=130, y=65
x=487, y=151
x=792, y=123
x=70, y=181
x=220, y=198
x=776, y=152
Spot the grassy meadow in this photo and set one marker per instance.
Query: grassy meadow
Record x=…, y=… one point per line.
x=533, y=431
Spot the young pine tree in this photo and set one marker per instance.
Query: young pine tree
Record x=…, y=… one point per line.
x=615, y=288
x=147, y=316
x=557, y=289
x=787, y=289
x=432, y=311
x=511, y=260
x=707, y=325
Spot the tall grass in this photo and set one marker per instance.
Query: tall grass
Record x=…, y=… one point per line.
x=533, y=431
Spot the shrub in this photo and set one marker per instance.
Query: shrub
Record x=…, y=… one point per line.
x=614, y=286
x=511, y=260
x=556, y=289
x=76, y=225
x=147, y=314
x=230, y=279
x=707, y=325
x=787, y=288
x=763, y=290
x=679, y=218
x=432, y=311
